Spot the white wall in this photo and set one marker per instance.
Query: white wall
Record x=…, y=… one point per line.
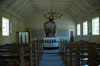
x=17, y=25
x=89, y=37
x=36, y=20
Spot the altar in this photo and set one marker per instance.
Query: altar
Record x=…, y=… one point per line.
x=50, y=42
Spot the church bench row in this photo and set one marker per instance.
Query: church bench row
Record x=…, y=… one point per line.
x=81, y=51
x=10, y=53
x=98, y=53
x=17, y=51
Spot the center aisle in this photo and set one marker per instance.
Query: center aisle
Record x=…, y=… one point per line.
x=51, y=58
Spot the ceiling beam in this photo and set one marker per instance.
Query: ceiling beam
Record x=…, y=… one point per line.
x=48, y=7
x=23, y=9
x=94, y=1
x=12, y=2
x=87, y=3
x=20, y=3
x=77, y=9
x=61, y=1
x=80, y=6
x=27, y=14
x=58, y=1
x=31, y=2
x=73, y=11
x=55, y=9
x=95, y=9
x=23, y=5
x=8, y=10
x=50, y=4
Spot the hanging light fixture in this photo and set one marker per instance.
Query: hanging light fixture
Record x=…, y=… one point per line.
x=52, y=14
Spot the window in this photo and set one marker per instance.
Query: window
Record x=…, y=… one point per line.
x=78, y=29
x=85, y=28
x=5, y=26
x=95, y=26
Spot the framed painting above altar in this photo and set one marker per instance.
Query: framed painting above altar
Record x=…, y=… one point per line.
x=50, y=29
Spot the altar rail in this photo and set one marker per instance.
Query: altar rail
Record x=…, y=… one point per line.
x=80, y=53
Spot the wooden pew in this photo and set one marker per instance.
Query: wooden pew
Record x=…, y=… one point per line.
x=38, y=50
x=12, y=52
x=71, y=54
x=80, y=53
x=98, y=54
x=17, y=53
x=66, y=52
x=84, y=52
x=62, y=49
x=93, y=54
x=83, y=55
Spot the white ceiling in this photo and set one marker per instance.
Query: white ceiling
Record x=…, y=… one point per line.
x=26, y=7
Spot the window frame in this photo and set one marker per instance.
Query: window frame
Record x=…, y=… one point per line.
x=78, y=29
x=94, y=26
x=5, y=26
x=85, y=28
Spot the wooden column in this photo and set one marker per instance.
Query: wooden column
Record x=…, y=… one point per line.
x=31, y=55
x=35, y=52
x=66, y=51
x=77, y=60
x=70, y=54
x=92, y=55
x=22, y=61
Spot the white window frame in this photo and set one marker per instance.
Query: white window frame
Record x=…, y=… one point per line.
x=85, y=28
x=5, y=26
x=78, y=29
x=95, y=26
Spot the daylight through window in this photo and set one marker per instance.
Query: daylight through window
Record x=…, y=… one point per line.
x=5, y=26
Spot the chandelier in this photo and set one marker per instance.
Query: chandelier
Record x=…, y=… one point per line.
x=52, y=14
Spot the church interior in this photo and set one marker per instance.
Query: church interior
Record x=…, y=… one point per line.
x=49, y=32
